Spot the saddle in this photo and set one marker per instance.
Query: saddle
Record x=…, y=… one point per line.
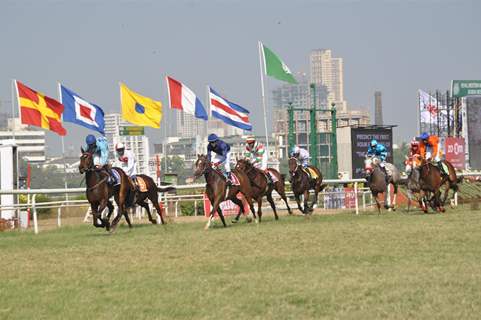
x=311, y=172
x=140, y=183
x=234, y=179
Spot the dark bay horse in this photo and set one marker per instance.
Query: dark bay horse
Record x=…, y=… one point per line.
x=430, y=182
x=152, y=195
x=301, y=183
x=261, y=186
x=218, y=191
x=412, y=184
x=378, y=183
x=99, y=192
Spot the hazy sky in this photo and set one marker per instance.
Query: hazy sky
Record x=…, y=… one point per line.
x=392, y=46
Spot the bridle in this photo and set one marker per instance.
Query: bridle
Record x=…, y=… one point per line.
x=297, y=166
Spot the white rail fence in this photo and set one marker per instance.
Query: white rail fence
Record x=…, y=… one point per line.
x=333, y=198
x=168, y=198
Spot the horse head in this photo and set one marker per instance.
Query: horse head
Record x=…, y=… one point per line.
x=293, y=165
x=242, y=164
x=86, y=161
x=408, y=163
x=370, y=162
x=201, y=165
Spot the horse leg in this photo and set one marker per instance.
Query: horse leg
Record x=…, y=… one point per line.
x=96, y=216
x=280, y=189
x=251, y=206
x=127, y=218
x=317, y=189
x=155, y=203
x=238, y=203
x=394, y=197
x=306, y=203
x=410, y=195
x=145, y=205
x=273, y=206
x=439, y=205
x=111, y=209
x=377, y=202
x=221, y=215
x=259, y=207
x=215, y=207
x=298, y=200
x=100, y=209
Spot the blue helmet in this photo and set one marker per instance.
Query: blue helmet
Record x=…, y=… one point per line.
x=424, y=136
x=373, y=143
x=90, y=139
x=212, y=137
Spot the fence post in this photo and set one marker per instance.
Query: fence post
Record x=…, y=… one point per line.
x=195, y=208
x=59, y=213
x=176, y=208
x=35, y=223
x=355, y=198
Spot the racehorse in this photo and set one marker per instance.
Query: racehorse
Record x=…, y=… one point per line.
x=218, y=191
x=99, y=192
x=301, y=183
x=430, y=181
x=152, y=195
x=261, y=186
x=412, y=183
x=377, y=181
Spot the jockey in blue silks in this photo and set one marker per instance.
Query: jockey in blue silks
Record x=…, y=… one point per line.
x=380, y=151
x=99, y=148
x=221, y=152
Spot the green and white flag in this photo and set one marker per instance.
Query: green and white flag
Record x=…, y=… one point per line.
x=275, y=67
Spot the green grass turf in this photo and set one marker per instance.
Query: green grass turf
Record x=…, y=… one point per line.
x=396, y=265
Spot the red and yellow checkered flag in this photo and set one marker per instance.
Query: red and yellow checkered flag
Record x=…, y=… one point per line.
x=39, y=110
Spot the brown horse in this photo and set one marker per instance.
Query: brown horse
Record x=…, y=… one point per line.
x=379, y=183
x=261, y=186
x=301, y=183
x=99, y=192
x=218, y=191
x=452, y=180
x=430, y=182
x=152, y=195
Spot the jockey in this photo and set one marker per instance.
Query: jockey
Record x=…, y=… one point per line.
x=127, y=160
x=257, y=155
x=378, y=150
x=302, y=155
x=222, y=154
x=430, y=150
x=414, y=148
x=99, y=147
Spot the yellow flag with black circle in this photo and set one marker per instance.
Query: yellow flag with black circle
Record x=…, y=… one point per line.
x=139, y=110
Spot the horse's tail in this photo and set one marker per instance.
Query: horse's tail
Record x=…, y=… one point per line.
x=323, y=186
x=166, y=189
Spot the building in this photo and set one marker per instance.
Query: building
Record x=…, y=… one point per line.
x=222, y=129
x=298, y=94
x=378, y=108
x=188, y=125
x=139, y=144
x=30, y=142
x=328, y=71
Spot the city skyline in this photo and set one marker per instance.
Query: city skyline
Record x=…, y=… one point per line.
x=393, y=47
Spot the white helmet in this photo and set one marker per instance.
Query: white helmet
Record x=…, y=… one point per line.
x=119, y=146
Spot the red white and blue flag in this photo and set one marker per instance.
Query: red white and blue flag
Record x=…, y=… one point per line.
x=182, y=98
x=229, y=112
x=79, y=111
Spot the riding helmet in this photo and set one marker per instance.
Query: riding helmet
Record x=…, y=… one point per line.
x=373, y=142
x=424, y=136
x=90, y=139
x=212, y=137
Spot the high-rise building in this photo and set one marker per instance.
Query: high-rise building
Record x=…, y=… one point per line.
x=299, y=95
x=188, y=126
x=30, y=142
x=378, y=108
x=222, y=129
x=327, y=70
x=138, y=144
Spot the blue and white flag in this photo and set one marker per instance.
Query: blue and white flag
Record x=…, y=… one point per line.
x=79, y=111
x=229, y=112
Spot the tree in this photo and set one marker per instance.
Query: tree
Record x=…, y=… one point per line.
x=399, y=155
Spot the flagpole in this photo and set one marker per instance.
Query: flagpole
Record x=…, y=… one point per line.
x=63, y=145
x=263, y=97
x=13, y=109
x=419, y=115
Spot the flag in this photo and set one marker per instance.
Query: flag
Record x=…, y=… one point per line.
x=39, y=110
x=427, y=107
x=181, y=97
x=80, y=111
x=138, y=109
x=229, y=112
x=275, y=67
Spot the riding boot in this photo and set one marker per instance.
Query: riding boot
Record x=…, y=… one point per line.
x=441, y=169
x=269, y=178
x=228, y=179
x=111, y=180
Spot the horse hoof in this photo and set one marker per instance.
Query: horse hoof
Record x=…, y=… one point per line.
x=234, y=221
x=153, y=221
x=249, y=219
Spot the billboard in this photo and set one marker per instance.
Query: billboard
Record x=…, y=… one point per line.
x=360, y=138
x=455, y=152
x=473, y=118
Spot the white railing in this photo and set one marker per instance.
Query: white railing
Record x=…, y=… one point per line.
x=176, y=199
